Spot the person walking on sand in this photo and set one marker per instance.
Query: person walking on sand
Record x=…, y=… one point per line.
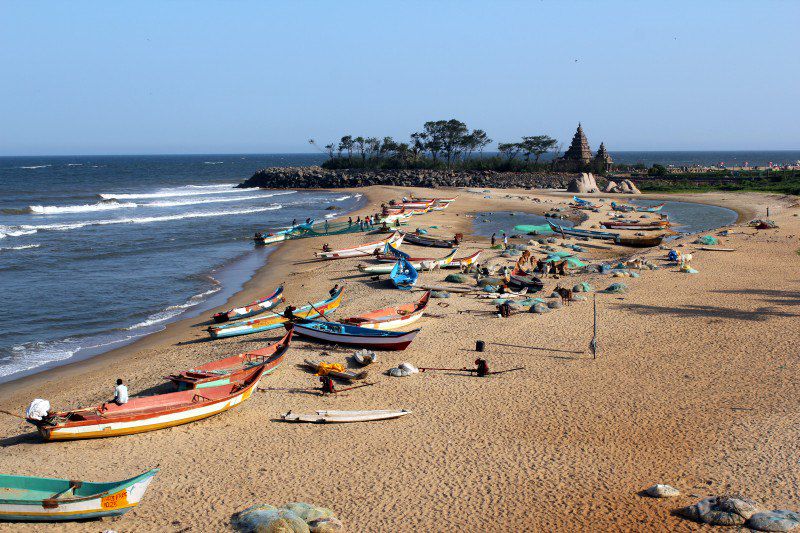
x=120, y=393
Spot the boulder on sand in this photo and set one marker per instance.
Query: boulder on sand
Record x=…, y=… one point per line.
x=721, y=510
x=662, y=491
x=779, y=520
x=584, y=184
x=610, y=186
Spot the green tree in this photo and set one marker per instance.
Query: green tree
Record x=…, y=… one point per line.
x=346, y=143
x=361, y=146
x=537, y=145
x=509, y=150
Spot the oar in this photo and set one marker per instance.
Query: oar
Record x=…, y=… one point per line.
x=320, y=313
x=354, y=387
x=9, y=413
x=507, y=370
x=421, y=369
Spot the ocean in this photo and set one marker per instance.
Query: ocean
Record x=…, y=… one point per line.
x=97, y=251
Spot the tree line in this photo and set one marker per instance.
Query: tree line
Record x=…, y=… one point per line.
x=442, y=144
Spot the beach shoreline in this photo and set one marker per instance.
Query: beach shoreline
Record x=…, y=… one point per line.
x=549, y=436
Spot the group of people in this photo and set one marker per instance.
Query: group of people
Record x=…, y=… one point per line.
x=370, y=221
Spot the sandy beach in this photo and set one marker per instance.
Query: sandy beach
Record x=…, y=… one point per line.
x=694, y=385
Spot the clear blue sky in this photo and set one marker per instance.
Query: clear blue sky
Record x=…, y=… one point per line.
x=231, y=77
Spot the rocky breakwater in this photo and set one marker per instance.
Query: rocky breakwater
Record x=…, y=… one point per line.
x=320, y=178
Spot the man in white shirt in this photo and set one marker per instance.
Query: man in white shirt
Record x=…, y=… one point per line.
x=120, y=393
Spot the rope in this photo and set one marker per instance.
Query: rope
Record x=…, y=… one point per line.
x=9, y=413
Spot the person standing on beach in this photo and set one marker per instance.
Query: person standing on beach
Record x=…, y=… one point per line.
x=326, y=225
x=350, y=222
x=494, y=239
x=505, y=240
x=120, y=393
x=333, y=290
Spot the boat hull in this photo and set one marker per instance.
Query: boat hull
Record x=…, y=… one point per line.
x=359, y=251
x=116, y=501
x=395, y=342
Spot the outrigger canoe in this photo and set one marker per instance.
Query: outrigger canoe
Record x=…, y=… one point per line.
x=592, y=234
x=42, y=499
x=232, y=369
x=635, y=225
x=395, y=239
x=455, y=263
x=422, y=264
x=278, y=236
x=146, y=413
x=251, y=309
x=423, y=240
x=274, y=320
x=391, y=317
x=635, y=242
x=347, y=335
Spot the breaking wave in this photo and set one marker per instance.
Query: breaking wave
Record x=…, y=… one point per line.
x=174, y=310
x=86, y=208
x=176, y=203
x=32, y=167
x=24, y=247
x=188, y=190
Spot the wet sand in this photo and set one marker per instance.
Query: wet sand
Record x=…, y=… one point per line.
x=695, y=385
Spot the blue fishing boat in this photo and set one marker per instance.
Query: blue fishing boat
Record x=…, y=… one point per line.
x=41, y=499
x=347, y=335
x=583, y=232
x=404, y=275
x=262, y=239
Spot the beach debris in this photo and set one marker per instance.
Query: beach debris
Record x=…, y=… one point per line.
x=440, y=294
x=708, y=240
x=455, y=278
x=38, y=409
x=540, y=308
x=732, y=510
x=578, y=298
x=555, y=304
x=616, y=288
x=762, y=223
x=582, y=287
x=403, y=370
x=365, y=357
x=777, y=520
x=293, y=517
x=491, y=288
x=662, y=491
x=686, y=268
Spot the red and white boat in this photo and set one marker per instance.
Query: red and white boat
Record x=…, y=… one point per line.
x=421, y=264
x=441, y=200
x=395, y=239
x=251, y=309
x=455, y=263
x=233, y=369
x=146, y=413
x=391, y=317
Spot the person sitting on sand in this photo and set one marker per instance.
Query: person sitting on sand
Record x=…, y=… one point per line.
x=333, y=290
x=120, y=393
x=288, y=313
x=483, y=367
x=327, y=385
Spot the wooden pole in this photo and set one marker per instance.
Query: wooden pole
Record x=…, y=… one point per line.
x=593, y=343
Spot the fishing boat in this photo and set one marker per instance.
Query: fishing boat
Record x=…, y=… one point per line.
x=650, y=209
x=440, y=206
x=640, y=242
x=347, y=335
x=391, y=317
x=395, y=239
x=262, y=239
x=520, y=279
x=440, y=200
x=424, y=240
x=273, y=320
x=146, y=413
x=636, y=225
x=417, y=205
x=251, y=309
x=592, y=234
x=421, y=264
x=341, y=417
x=580, y=203
x=42, y=499
x=233, y=369
x=455, y=263
x=624, y=208
x=403, y=275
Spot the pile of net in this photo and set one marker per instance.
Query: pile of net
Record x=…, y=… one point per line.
x=763, y=223
x=616, y=288
x=708, y=240
x=294, y=517
x=403, y=370
x=455, y=278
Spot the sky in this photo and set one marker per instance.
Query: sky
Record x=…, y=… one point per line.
x=264, y=77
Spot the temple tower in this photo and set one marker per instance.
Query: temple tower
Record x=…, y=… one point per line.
x=578, y=155
x=602, y=159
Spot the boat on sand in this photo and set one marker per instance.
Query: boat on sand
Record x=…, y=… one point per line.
x=348, y=335
x=403, y=275
x=251, y=309
x=42, y=499
x=395, y=239
x=146, y=413
x=422, y=264
x=391, y=317
x=341, y=417
x=233, y=369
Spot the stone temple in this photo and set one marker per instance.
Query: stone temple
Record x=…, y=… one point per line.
x=578, y=156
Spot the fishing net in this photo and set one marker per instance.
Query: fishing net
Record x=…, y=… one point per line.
x=455, y=278
x=440, y=294
x=265, y=518
x=582, y=287
x=543, y=229
x=617, y=288
x=707, y=240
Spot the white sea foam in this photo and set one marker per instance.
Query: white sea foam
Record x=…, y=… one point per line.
x=29, y=228
x=32, y=167
x=24, y=247
x=342, y=198
x=74, y=164
x=14, y=231
x=174, y=310
x=176, y=203
x=213, y=162
x=86, y=208
x=188, y=190
x=332, y=215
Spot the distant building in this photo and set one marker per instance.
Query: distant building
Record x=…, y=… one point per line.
x=578, y=157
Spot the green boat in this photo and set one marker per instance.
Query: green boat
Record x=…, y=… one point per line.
x=41, y=499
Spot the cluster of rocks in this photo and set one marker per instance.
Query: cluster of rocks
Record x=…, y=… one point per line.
x=320, y=178
x=587, y=183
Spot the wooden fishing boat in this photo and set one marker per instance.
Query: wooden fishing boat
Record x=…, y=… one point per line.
x=639, y=242
x=651, y=209
x=347, y=375
x=634, y=225
x=395, y=239
x=273, y=320
x=422, y=264
x=146, y=413
x=592, y=234
x=455, y=263
x=233, y=369
x=391, y=317
x=417, y=205
x=520, y=279
x=251, y=309
x=262, y=239
x=341, y=417
x=624, y=208
x=403, y=275
x=424, y=240
x=347, y=335
x=439, y=206
x=42, y=499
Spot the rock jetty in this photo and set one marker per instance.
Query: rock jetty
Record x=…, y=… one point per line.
x=320, y=178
